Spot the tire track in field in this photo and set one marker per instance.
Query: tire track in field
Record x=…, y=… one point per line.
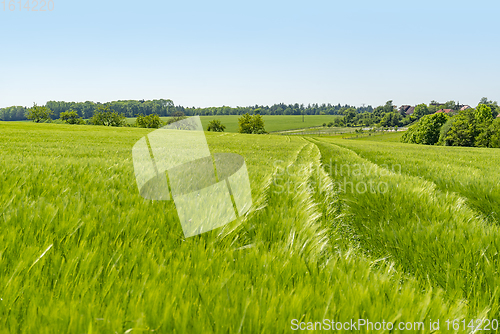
x=307, y=221
x=291, y=214
x=301, y=199
x=296, y=232
x=490, y=214
x=431, y=235
x=239, y=233
x=285, y=217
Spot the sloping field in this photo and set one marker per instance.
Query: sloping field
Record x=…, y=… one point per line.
x=272, y=122
x=431, y=233
x=81, y=251
x=472, y=173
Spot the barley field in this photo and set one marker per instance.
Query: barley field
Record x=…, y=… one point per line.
x=339, y=230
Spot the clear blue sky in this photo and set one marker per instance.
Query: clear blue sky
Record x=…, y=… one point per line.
x=214, y=53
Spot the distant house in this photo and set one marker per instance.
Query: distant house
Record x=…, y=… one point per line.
x=446, y=111
x=465, y=108
x=408, y=110
x=404, y=108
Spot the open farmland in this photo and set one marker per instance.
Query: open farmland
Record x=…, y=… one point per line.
x=273, y=122
x=339, y=229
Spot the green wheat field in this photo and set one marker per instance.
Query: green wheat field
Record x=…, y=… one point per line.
x=340, y=229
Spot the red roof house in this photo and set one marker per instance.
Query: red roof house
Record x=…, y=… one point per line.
x=446, y=111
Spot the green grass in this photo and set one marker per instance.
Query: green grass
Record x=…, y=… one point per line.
x=317, y=131
x=82, y=252
x=346, y=133
x=394, y=137
x=272, y=123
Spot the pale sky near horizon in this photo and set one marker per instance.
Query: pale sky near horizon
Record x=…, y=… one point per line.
x=241, y=53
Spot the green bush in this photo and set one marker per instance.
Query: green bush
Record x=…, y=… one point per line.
x=104, y=115
x=426, y=131
x=339, y=121
x=470, y=127
x=444, y=132
x=251, y=124
x=149, y=121
x=216, y=126
x=71, y=117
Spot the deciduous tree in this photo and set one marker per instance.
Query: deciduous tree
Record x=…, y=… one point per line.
x=251, y=124
x=421, y=110
x=71, y=117
x=39, y=114
x=426, y=131
x=104, y=115
x=463, y=131
x=483, y=114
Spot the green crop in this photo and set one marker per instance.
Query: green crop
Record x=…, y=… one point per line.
x=82, y=252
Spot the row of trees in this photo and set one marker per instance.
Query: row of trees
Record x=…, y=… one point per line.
x=86, y=110
x=128, y=108
x=385, y=116
x=477, y=127
x=389, y=116
x=15, y=113
x=276, y=109
x=165, y=107
x=103, y=115
x=106, y=116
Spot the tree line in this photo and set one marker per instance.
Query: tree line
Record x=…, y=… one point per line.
x=472, y=127
x=104, y=115
x=91, y=113
x=166, y=107
x=389, y=116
